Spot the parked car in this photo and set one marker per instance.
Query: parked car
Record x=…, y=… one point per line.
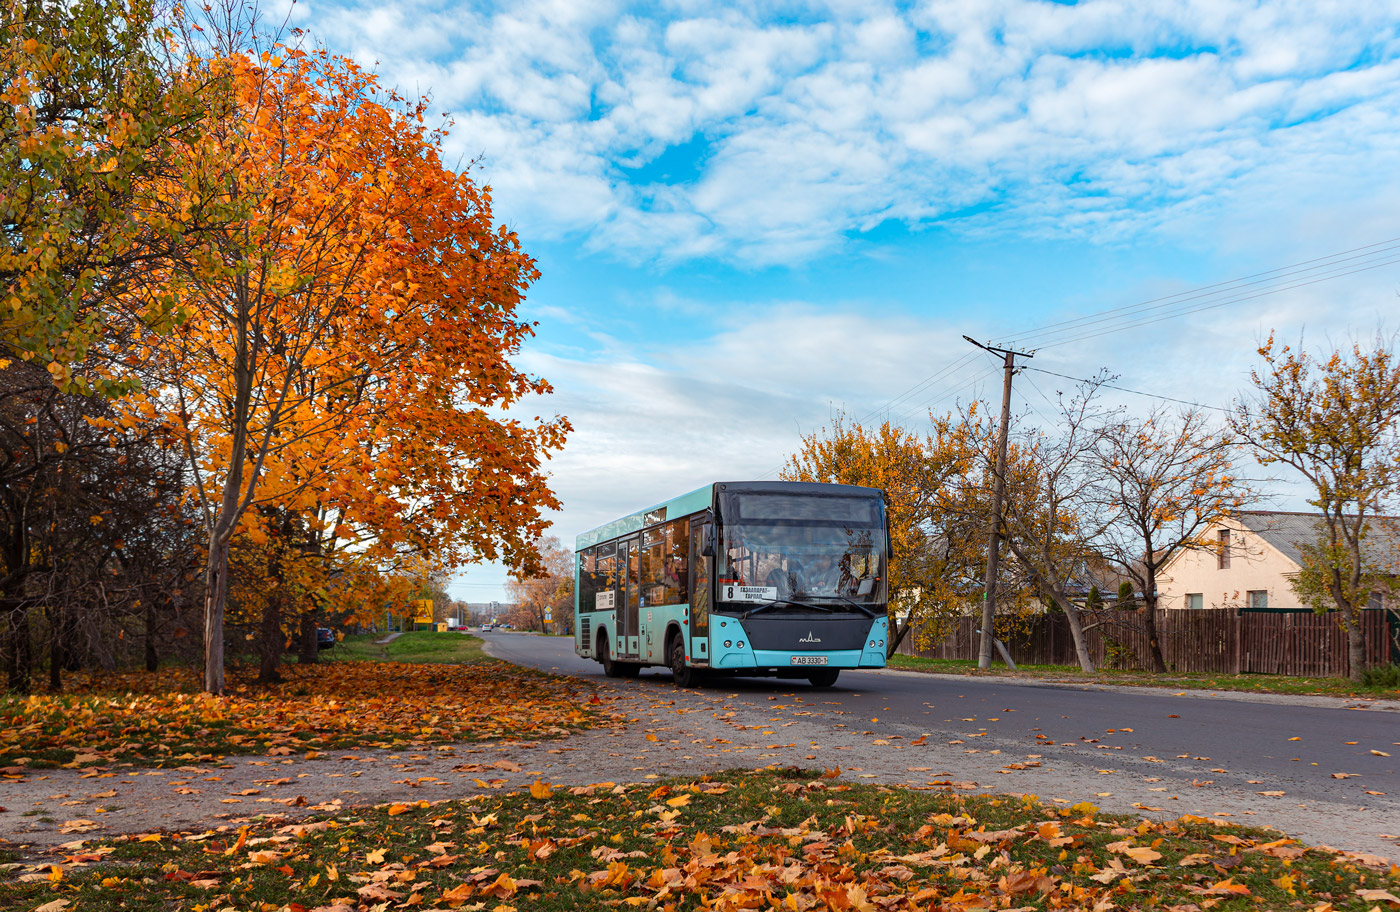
x=325, y=638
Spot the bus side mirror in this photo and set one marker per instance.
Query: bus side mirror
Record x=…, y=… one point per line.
x=707, y=543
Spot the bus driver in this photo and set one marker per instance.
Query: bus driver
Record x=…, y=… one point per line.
x=823, y=577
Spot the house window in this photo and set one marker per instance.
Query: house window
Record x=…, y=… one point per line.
x=1195, y=600
x=1377, y=600
x=1224, y=549
x=1258, y=598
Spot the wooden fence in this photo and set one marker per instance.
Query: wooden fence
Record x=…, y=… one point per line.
x=1212, y=640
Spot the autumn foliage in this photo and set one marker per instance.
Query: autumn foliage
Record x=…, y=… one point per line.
x=164, y=720
x=780, y=840
x=262, y=250
x=1335, y=421
x=937, y=486
x=347, y=324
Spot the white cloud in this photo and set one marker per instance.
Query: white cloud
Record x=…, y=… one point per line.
x=827, y=122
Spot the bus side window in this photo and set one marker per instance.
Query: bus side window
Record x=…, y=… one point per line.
x=608, y=579
x=587, y=580
x=653, y=578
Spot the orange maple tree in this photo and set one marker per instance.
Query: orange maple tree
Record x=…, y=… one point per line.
x=346, y=338
x=933, y=573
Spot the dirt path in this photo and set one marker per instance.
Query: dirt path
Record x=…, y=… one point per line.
x=668, y=732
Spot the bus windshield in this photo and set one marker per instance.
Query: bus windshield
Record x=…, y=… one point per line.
x=797, y=548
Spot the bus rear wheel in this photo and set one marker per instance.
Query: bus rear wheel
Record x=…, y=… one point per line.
x=824, y=678
x=684, y=675
x=610, y=668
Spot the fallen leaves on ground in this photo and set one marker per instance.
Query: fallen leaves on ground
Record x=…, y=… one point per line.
x=163, y=719
x=791, y=840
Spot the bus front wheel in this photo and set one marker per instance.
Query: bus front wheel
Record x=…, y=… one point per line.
x=684, y=675
x=824, y=678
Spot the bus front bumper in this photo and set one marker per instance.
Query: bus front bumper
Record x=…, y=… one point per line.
x=783, y=661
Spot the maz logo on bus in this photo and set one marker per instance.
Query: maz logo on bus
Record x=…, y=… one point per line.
x=810, y=638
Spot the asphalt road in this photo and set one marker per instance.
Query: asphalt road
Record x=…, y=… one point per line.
x=1230, y=747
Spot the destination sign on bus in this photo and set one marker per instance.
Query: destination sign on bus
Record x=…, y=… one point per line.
x=736, y=593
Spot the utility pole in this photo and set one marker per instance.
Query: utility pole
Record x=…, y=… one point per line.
x=989, y=593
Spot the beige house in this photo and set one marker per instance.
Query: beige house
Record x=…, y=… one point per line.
x=1256, y=554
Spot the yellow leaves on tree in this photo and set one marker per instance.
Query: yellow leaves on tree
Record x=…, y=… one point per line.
x=933, y=571
x=89, y=110
x=350, y=323
x=1165, y=479
x=1336, y=421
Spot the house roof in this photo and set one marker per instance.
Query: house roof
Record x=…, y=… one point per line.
x=1289, y=532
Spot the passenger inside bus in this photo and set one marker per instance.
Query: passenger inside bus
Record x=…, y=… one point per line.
x=734, y=571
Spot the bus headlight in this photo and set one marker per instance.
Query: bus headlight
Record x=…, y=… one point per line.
x=872, y=644
x=740, y=644
x=728, y=643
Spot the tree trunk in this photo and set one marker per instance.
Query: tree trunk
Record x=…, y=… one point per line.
x=1076, y=630
x=1154, y=645
x=1052, y=587
x=1356, y=646
x=1149, y=623
x=17, y=655
x=308, y=651
x=271, y=640
x=215, y=596
x=897, y=633
x=152, y=659
x=55, y=649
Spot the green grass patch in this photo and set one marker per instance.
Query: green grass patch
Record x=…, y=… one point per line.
x=770, y=839
x=450, y=648
x=1252, y=683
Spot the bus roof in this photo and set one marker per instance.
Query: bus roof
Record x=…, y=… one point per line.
x=702, y=498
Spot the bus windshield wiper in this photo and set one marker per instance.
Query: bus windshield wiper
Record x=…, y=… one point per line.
x=775, y=602
x=856, y=605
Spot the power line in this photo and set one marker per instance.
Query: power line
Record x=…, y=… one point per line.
x=1214, y=304
x=1337, y=265
x=1035, y=386
x=1155, y=310
x=923, y=384
x=1206, y=297
x=1124, y=389
x=926, y=406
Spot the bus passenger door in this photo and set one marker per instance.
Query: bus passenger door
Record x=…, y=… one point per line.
x=699, y=593
x=627, y=619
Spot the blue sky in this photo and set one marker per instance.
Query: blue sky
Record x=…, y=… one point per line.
x=752, y=215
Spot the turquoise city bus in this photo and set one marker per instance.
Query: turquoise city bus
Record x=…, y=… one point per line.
x=773, y=578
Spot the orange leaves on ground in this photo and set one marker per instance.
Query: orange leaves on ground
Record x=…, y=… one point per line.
x=155, y=718
x=777, y=840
